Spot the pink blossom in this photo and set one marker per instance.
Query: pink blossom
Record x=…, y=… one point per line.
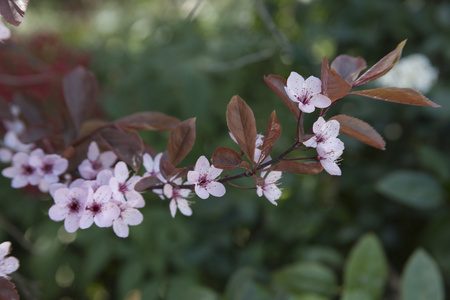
x=151, y=165
x=178, y=199
x=122, y=187
x=96, y=161
x=323, y=131
x=306, y=93
x=69, y=206
x=5, y=33
x=328, y=153
x=129, y=216
x=21, y=172
x=10, y=264
x=50, y=166
x=269, y=189
x=203, y=178
x=99, y=208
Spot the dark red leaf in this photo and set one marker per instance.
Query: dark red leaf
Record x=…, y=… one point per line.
x=333, y=85
x=348, y=67
x=397, y=95
x=383, y=66
x=146, y=183
x=277, y=84
x=149, y=120
x=35, y=133
x=308, y=167
x=80, y=92
x=241, y=123
x=181, y=141
x=29, y=110
x=5, y=111
x=273, y=132
x=226, y=158
x=126, y=144
x=89, y=127
x=360, y=130
x=13, y=11
x=8, y=290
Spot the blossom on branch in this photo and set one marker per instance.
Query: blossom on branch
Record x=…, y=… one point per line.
x=269, y=188
x=10, y=264
x=122, y=187
x=99, y=208
x=21, y=172
x=306, y=93
x=203, y=178
x=178, y=199
x=96, y=161
x=69, y=206
x=323, y=132
x=129, y=216
x=328, y=153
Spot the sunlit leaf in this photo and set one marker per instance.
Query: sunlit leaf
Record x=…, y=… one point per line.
x=308, y=167
x=412, y=188
x=366, y=269
x=149, y=120
x=360, y=130
x=348, y=67
x=80, y=92
x=226, y=158
x=277, y=84
x=421, y=278
x=126, y=144
x=13, y=11
x=333, y=85
x=241, y=122
x=273, y=132
x=397, y=95
x=181, y=141
x=383, y=66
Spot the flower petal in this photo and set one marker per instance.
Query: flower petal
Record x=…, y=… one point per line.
x=132, y=216
x=93, y=151
x=216, y=189
x=120, y=228
x=313, y=85
x=121, y=172
x=321, y=101
x=201, y=192
x=183, y=206
x=9, y=265
x=202, y=165
x=72, y=223
x=294, y=84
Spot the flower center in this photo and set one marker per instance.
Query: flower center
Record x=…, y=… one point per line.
x=74, y=206
x=203, y=181
x=304, y=98
x=27, y=170
x=47, y=168
x=95, y=208
x=123, y=188
x=96, y=165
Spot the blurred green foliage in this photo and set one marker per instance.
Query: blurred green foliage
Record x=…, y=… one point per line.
x=187, y=59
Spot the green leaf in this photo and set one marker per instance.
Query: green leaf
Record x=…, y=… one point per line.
x=365, y=270
x=421, y=279
x=415, y=189
x=306, y=277
x=242, y=286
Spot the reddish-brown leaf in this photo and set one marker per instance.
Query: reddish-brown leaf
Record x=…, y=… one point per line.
x=35, y=133
x=333, y=85
x=181, y=141
x=348, y=67
x=241, y=122
x=383, y=66
x=307, y=167
x=80, y=92
x=397, y=95
x=149, y=120
x=30, y=110
x=360, y=130
x=8, y=290
x=89, y=127
x=13, y=11
x=5, y=111
x=277, y=84
x=226, y=158
x=146, y=183
x=273, y=132
x=126, y=144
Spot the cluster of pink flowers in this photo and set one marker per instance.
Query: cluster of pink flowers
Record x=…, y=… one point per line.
x=307, y=94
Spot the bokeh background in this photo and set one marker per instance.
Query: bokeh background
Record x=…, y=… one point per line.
x=187, y=58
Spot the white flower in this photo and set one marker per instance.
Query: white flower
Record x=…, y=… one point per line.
x=7, y=264
x=328, y=153
x=123, y=188
x=21, y=172
x=99, y=208
x=129, y=216
x=178, y=199
x=258, y=147
x=323, y=131
x=50, y=166
x=96, y=161
x=151, y=165
x=203, y=178
x=306, y=93
x=5, y=33
x=414, y=71
x=69, y=206
x=269, y=189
